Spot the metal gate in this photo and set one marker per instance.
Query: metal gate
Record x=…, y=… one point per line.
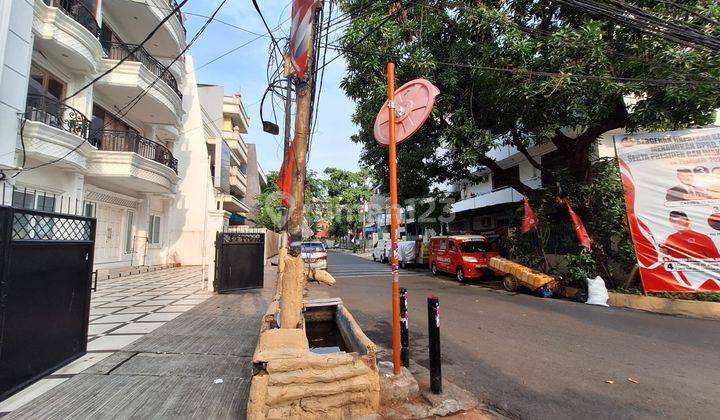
x=239, y=261
x=46, y=264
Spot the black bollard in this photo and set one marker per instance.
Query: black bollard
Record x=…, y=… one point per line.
x=434, y=346
x=404, y=337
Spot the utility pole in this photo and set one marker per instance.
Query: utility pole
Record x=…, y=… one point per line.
x=286, y=144
x=302, y=134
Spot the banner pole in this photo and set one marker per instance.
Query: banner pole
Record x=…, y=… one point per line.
x=542, y=249
x=394, y=220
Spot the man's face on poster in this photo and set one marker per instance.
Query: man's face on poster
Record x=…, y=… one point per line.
x=679, y=222
x=686, y=178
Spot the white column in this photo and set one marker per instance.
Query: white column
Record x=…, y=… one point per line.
x=141, y=230
x=150, y=131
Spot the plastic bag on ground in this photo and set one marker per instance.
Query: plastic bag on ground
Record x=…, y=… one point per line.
x=597, y=292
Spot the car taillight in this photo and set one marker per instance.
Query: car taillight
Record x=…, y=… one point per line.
x=322, y=258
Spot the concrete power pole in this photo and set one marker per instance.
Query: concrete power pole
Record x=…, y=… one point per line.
x=302, y=134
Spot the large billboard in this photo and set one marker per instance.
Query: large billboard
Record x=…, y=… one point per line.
x=672, y=191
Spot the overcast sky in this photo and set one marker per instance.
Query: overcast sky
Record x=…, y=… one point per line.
x=244, y=71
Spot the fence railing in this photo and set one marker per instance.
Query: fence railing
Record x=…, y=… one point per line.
x=120, y=50
x=79, y=12
x=130, y=141
x=54, y=113
x=174, y=5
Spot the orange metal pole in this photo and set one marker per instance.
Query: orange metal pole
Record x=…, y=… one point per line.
x=394, y=220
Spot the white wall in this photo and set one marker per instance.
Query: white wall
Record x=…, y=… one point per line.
x=16, y=50
x=192, y=233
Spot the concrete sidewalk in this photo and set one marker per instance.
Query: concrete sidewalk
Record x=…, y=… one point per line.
x=195, y=366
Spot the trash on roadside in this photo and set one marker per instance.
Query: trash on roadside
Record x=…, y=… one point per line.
x=609, y=382
x=597, y=292
x=218, y=381
x=633, y=381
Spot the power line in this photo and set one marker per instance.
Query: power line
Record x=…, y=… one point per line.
x=639, y=19
x=257, y=8
x=527, y=72
x=131, y=104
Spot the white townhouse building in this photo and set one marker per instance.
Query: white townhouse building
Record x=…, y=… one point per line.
x=237, y=177
x=489, y=204
x=142, y=168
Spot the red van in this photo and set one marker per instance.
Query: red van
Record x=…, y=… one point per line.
x=466, y=256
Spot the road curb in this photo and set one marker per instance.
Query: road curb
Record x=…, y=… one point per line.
x=658, y=305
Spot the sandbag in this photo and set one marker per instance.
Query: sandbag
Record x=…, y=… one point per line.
x=597, y=292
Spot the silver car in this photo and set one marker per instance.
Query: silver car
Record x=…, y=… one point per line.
x=314, y=255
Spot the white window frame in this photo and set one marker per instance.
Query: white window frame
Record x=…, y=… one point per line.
x=155, y=220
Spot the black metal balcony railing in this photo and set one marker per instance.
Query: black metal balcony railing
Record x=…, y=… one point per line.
x=79, y=12
x=173, y=6
x=120, y=50
x=130, y=141
x=54, y=113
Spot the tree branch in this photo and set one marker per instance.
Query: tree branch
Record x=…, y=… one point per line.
x=515, y=139
x=515, y=183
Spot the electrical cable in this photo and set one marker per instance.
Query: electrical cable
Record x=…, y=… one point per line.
x=134, y=101
x=257, y=8
x=125, y=109
x=545, y=73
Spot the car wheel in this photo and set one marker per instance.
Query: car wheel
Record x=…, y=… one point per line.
x=433, y=269
x=460, y=274
x=402, y=264
x=509, y=283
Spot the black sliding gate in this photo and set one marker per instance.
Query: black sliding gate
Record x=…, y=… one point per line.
x=46, y=262
x=239, y=261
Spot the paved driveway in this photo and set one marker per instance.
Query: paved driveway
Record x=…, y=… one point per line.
x=545, y=358
x=123, y=310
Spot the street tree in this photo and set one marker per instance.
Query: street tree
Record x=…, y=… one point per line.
x=269, y=201
x=523, y=73
x=346, y=192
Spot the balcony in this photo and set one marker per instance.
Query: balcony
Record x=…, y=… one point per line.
x=119, y=51
x=136, y=17
x=129, y=141
x=238, y=181
x=53, y=131
x=159, y=101
x=503, y=195
x=66, y=32
x=123, y=155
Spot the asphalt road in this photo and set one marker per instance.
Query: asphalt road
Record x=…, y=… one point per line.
x=536, y=358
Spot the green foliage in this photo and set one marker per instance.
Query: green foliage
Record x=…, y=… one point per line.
x=269, y=200
x=346, y=191
x=268, y=204
x=601, y=206
x=455, y=43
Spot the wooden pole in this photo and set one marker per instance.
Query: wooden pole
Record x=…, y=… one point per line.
x=394, y=220
x=302, y=134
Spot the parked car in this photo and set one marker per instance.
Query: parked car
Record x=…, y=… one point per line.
x=314, y=254
x=466, y=256
x=381, y=251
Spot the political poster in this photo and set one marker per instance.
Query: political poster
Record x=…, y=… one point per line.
x=672, y=190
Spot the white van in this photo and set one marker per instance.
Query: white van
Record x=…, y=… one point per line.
x=381, y=251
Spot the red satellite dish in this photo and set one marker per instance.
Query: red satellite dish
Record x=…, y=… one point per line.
x=414, y=102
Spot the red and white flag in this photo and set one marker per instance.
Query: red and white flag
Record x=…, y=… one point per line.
x=580, y=230
x=285, y=176
x=529, y=219
x=302, y=20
